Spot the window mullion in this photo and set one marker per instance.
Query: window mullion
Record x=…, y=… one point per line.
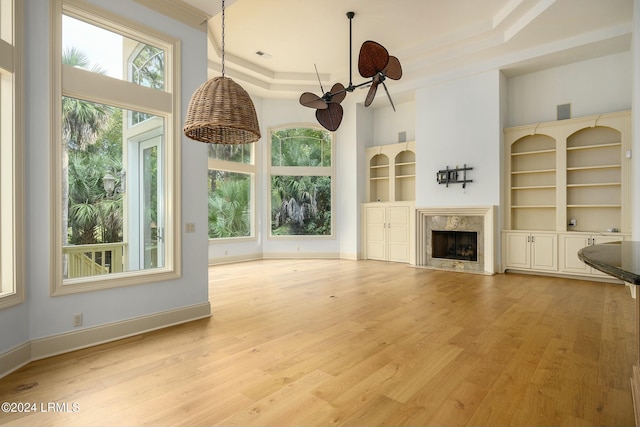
x=6, y=56
x=78, y=83
x=301, y=171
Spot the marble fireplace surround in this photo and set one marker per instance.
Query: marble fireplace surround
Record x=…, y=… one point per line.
x=477, y=218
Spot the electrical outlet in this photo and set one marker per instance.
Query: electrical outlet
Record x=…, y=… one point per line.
x=190, y=227
x=77, y=319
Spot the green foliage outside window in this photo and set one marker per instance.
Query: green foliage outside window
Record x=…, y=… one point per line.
x=301, y=205
x=239, y=153
x=301, y=147
x=229, y=204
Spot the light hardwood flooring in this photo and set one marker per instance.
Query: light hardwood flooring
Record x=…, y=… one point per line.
x=366, y=343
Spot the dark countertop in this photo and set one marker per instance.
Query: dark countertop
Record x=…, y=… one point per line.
x=619, y=259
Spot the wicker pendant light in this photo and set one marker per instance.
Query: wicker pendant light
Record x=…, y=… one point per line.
x=221, y=111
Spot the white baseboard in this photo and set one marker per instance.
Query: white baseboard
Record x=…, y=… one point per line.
x=276, y=255
x=15, y=359
x=235, y=258
x=63, y=343
x=301, y=255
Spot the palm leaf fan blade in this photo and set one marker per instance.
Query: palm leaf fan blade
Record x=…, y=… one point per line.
x=372, y=59
x=331, y=117
x=312, y=100
x=338, y=93
x=393, y=69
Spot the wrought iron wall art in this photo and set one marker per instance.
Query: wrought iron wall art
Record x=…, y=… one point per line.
x=452, y=176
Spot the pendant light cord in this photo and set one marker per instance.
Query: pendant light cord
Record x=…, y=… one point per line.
x=223, y=38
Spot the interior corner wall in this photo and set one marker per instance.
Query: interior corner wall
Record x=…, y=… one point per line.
x=356, y=166
x=635, y=168
x=458, y=123
x=50, y=316
x=595, y=86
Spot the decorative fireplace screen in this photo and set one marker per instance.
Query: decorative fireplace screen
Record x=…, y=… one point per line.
x=460, y=245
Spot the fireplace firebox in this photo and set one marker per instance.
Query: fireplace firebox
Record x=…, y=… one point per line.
x=460, y=245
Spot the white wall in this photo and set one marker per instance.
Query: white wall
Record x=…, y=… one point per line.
x=458, y=122
x=600, y=85
x=48, y=316
x=388, y=123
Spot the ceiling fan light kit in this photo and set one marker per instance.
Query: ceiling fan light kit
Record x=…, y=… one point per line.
x=374, y=62
x=221, y=111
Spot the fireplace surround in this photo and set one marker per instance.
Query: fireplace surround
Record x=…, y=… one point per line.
x=464, y=234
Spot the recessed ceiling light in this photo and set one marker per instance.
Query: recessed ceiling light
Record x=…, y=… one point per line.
x=263, y=54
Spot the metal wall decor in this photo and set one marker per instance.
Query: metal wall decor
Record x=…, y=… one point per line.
x=452, y=176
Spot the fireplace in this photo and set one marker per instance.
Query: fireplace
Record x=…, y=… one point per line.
x=460, y=245
x=456, y=238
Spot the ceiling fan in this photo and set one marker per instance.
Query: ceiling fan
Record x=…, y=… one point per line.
x=374, y=62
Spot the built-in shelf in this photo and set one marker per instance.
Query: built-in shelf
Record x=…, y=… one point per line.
x=533, y=206
x=597, y=184
x=527, y=153
x=585, y=168
x=594, y=206
x=533, y=171
x=590, y=147
x=392, y=172
x=567, y=184
x=534, y=187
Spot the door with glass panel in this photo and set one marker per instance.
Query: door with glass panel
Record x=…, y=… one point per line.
x=150, y=195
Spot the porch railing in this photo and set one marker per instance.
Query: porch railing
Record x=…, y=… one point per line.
x=94, y=260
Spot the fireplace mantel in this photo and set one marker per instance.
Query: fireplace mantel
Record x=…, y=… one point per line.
x=423, y=216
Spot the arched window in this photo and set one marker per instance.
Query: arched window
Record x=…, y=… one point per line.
x=301, y=174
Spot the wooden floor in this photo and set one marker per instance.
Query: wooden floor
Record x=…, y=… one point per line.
x=325, y=342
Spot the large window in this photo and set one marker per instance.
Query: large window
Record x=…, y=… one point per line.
x=231, y=183
x=11, y=163
x=301, y=178
x=116, y=163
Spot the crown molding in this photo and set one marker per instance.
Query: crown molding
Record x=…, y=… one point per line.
x=178, y=10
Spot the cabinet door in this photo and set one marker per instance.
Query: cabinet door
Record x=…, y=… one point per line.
x=544, y=252
x=518, y=250
x=570, y=261
x=604, y=239
x=375, y=220
x=398, y=233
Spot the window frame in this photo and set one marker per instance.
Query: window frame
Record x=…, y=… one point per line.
x=88, y=86
x=301, y=171
x=12, y=237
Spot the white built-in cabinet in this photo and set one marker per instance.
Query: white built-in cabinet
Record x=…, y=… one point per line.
x=569, y=179
x=532, y=251
x=388, y=229
x=571, y=243
x=389, y=214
